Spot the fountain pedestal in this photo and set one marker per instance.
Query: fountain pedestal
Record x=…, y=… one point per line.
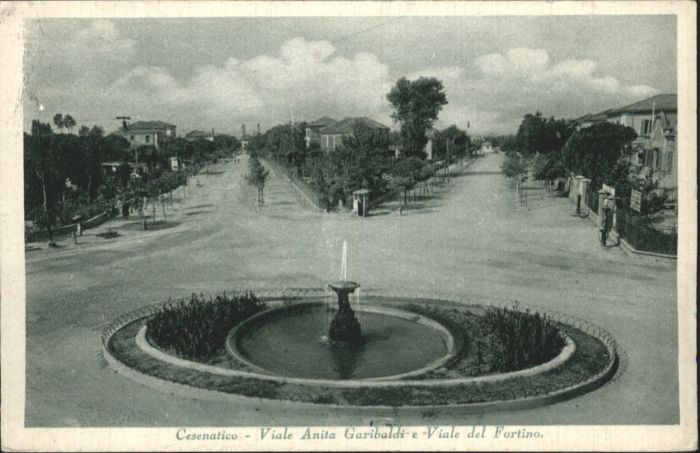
x=344, y=327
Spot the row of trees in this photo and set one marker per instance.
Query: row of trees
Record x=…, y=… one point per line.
x=63, y=175
x=364, y=159
x=552, y=150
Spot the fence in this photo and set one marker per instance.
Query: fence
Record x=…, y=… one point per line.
x=591, y=200
x=643, y=236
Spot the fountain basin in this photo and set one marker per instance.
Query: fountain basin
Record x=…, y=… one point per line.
x=291, y=341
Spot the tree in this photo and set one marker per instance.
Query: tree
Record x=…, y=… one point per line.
x=285, y=143
x=84, y=131
x=416, y=106
x=46, y=168
x=257, y=176
x=68, y=122
x=458, y=143
x=405, y=174
x=594, y=151
x=324, y=179
x=535, y=134
x=58, y=121
x=362, y=159
x=514, y=166
x=549, y=167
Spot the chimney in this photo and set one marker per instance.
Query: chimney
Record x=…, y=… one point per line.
x=242, y=130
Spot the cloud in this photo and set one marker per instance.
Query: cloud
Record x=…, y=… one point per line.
x=508, y=85
x=304, y=80
x=95, y=73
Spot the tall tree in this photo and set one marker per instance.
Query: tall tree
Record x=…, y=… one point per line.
x=595, y=151
x=68, y=122
x=58, y=121
x=42, y=145
x=416, y=106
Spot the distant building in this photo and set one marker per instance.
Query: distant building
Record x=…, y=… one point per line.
x=590, y=119
x=111, y=168
x=311, y=134
x=331, y=136
x=200, y=135
x=148, y=133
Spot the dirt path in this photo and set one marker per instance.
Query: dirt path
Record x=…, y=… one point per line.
x=469, y=239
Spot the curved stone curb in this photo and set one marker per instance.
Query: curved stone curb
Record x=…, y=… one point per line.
x=513, y=404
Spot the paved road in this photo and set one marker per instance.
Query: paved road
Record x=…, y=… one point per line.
x=468, y=238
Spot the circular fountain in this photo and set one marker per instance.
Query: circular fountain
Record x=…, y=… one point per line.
x=392, y=349
x=296, y=341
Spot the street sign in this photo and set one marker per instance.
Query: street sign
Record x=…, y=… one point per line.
x=636, y=200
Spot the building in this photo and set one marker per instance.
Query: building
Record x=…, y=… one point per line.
x=312, y=134
x=200, y=135
x=655, y=120
x=590, y=119
x=640, y=116
x=486, y=148
x=148, y=133
x=111, y=168
x=331, y=136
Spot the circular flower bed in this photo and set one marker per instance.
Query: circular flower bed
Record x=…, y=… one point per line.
x=506, y=356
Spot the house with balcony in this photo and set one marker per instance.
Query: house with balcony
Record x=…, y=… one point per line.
x=148, y=133
x=331, y=136
x=655, y=120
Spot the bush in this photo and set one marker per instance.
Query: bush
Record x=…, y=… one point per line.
x=197, y=327
x=518, y=339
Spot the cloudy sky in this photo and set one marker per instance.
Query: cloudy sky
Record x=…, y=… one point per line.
x=219, y=73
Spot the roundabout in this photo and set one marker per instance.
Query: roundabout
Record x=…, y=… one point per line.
x=417, y=352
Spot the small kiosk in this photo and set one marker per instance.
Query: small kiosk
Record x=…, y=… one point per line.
x=360, y=200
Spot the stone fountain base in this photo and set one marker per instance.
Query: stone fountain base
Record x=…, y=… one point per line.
x=345, y=328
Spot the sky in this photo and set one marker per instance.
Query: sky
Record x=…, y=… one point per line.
x=217, y=73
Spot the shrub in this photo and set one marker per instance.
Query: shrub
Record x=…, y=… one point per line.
x=197, y=327
x=518, y=339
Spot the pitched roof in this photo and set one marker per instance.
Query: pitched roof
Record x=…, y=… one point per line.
x=149, y=125
x=668, y=102
x=344, y=126
x=197, y=133
x=322, y=122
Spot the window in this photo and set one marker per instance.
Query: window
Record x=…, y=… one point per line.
x=148, y=139
x=669, y=161
x=645, y=127
x=132, y=138
x=308, y=132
